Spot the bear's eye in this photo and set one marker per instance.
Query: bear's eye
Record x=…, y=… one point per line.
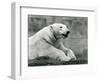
x=61, y=27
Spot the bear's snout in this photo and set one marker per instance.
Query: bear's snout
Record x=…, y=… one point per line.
x=66, y=34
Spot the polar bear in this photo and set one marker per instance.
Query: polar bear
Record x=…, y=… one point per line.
x=49, y=42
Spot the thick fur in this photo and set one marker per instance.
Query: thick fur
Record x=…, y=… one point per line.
x=49, y=42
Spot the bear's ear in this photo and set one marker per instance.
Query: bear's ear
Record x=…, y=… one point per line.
x=51, y=29
x=51, y=26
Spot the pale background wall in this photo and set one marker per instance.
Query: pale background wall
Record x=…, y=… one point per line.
x=5, y=34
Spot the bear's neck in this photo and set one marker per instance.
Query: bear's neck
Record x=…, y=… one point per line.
x=50, y=37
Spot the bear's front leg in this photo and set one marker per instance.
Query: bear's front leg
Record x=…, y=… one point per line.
x=67, y=51
x=71, y=54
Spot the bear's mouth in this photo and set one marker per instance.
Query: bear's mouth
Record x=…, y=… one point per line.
x=66, y=34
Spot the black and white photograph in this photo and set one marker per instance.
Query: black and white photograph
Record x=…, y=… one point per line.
x=57, y=40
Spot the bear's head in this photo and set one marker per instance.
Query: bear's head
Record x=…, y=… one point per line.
x=59, y=30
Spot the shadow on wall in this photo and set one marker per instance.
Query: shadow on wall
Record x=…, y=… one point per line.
x=77, y=40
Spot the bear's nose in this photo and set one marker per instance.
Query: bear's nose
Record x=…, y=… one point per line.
x=68, y=32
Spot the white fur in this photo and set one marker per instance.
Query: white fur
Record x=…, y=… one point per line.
x=43, y=43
